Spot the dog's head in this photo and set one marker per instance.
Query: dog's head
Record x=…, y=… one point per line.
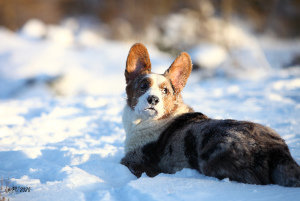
x=152, y=95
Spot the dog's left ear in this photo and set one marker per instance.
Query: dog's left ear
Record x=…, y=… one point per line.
x=179, y=71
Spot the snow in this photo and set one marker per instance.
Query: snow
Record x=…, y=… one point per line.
x=60, y=117
x=208, y=55
x=34, y=28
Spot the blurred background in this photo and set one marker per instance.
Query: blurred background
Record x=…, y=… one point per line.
x=228, y=38
x=131, y=19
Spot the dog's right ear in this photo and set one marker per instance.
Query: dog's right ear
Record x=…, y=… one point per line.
x=138, y=62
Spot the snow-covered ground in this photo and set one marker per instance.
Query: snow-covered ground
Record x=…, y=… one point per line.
x=61, y=100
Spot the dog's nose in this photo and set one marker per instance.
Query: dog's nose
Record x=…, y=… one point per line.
x=153, y=100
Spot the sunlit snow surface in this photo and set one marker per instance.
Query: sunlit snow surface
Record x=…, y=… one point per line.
x=69, y=147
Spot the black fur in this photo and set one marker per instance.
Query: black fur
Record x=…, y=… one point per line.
x=191, y=150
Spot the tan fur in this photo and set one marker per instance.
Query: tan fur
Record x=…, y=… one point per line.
x=138, y=62
x=180, y=71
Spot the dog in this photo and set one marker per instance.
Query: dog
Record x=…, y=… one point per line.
x=164, y=135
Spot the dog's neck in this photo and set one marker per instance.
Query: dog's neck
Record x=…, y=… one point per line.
x=141, y=131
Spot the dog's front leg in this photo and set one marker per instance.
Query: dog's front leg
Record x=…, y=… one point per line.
x=134, y=162
x=138, y=163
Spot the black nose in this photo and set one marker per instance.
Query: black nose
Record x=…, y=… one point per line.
x=153, y=100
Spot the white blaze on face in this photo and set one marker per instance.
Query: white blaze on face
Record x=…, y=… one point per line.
x=146, y=110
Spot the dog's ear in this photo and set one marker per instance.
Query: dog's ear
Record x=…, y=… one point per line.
x=138, y=62
x=179, y=71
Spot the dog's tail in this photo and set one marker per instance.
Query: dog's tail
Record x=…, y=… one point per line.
x=286, y=173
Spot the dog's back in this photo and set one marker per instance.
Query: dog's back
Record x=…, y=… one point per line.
x=238, y=150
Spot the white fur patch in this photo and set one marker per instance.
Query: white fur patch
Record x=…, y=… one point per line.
x=142, y=131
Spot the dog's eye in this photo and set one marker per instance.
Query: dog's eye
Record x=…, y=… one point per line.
x=144, y=86
x=165, y=90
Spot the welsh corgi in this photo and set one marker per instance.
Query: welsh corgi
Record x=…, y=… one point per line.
x=164, y=135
